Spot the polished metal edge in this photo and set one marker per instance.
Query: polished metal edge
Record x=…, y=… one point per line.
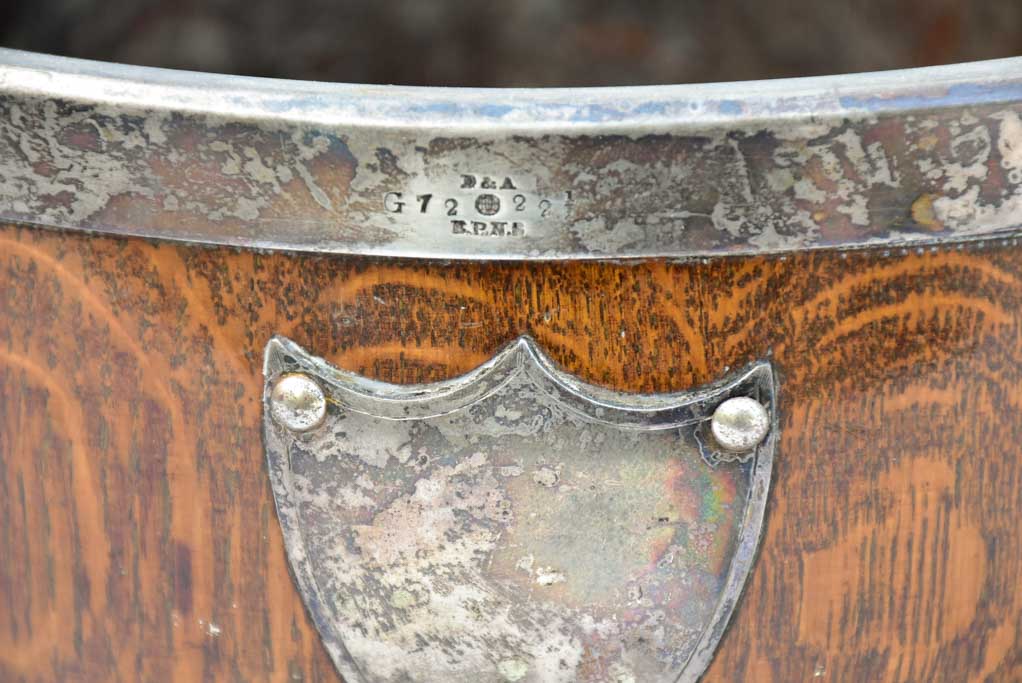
x=890, y=158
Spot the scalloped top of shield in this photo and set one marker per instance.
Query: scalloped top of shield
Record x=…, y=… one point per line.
x=515, y=523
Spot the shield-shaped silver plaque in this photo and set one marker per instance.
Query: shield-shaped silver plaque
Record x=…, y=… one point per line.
x=513, y=524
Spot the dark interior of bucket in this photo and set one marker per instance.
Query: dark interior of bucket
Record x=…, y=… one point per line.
x=519, y=42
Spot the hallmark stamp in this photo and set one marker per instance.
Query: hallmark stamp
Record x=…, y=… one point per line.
x=478, y=205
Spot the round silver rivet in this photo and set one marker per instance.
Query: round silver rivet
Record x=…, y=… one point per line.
x=739, y=424
x=297, y=402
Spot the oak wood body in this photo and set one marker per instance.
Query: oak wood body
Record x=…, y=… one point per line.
x=138, y=538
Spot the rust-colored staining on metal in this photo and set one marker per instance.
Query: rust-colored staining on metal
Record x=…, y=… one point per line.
x=923, y=213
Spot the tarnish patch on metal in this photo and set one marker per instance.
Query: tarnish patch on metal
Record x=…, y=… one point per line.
x=917, y=157
x=514, y=523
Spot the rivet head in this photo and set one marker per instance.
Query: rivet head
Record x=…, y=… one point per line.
x=739, y=424
x=297, y=402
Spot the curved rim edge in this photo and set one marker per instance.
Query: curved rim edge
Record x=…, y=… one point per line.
x=897, y=158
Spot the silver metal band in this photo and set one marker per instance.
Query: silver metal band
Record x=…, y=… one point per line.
x=890, y=158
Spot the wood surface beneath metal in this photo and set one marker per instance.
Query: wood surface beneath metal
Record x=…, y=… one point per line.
x=139, y=537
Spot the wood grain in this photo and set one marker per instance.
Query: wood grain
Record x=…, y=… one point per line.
x=138, y=540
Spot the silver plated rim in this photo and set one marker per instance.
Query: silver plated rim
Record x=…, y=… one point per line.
x=889, y=158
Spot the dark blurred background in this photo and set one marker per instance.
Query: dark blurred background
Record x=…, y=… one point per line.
x=519, y=42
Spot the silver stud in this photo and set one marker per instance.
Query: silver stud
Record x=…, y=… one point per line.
x=739, y=424
x=297, y=402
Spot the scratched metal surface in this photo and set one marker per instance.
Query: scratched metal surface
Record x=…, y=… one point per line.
x=675, y=171
x=516, y=525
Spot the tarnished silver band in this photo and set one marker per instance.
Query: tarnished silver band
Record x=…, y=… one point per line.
x=889, y=158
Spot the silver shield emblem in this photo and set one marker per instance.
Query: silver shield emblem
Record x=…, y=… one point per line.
x=513, y=524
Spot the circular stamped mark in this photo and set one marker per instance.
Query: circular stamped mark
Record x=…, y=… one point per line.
x=488, y=204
